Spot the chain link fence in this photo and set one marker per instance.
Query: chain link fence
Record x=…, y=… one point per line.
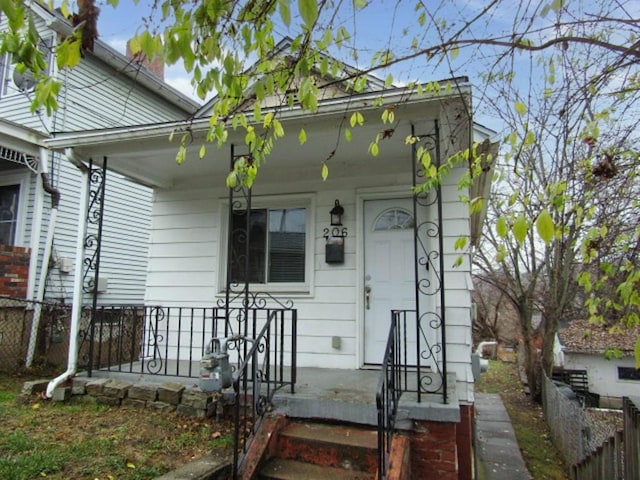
x=577, y=431
x=49, y=346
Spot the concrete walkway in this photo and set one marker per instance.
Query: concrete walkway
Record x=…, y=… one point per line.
x=498, y=453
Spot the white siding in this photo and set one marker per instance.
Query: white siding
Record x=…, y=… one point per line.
x=124, y=238
x=185, y=256
x=603, y=373
x=94, y=95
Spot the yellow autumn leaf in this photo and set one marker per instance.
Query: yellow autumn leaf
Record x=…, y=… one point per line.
x=521, y=108
x=325, y=172
x=545, y=226
x=131, y=465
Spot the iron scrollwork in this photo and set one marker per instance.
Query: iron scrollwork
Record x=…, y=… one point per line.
x=93, y=239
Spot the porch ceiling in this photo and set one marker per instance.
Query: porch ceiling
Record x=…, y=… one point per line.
x=146, y=155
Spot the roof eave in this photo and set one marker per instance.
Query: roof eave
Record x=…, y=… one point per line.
x=362, y=102
x=115, y=59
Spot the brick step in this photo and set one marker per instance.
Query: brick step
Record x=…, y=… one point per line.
x=338, y=446
x=283, y=469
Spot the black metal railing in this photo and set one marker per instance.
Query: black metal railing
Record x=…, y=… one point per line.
x=268, y=366
x=167, y=341
x=411, y=364
x=388, y=395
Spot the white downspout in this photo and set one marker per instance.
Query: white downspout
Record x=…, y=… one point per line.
x=76, y=308
x=37, y=309
x=36, y=228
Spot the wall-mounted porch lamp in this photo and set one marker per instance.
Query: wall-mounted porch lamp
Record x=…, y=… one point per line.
x=336, y=214
x=334, y=252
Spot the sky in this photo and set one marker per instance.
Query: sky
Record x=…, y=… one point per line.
x=371, y=28
x=390, y=24
x=117, y=26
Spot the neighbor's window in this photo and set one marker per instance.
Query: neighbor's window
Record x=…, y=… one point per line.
x=274, y=243
x=628, y=373
x=9, y=195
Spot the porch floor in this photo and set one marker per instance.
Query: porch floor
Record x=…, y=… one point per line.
x=330, y=394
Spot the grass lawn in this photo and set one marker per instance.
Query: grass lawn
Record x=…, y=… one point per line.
x=542, y=458
x=84, y=440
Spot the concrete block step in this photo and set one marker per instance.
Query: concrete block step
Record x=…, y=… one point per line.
x=283, y=469
x=339, y=446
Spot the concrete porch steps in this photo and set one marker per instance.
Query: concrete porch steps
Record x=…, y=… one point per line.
x=313, y=450
x=282, y=469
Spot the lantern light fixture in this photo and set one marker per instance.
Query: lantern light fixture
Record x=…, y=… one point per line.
x=336, y=214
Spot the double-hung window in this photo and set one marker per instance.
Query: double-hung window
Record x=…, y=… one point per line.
x=269, y=246
x=9, y=202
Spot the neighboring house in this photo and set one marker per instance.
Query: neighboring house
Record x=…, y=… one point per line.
x=106, y=90
x=220, y=257
x=581, y=345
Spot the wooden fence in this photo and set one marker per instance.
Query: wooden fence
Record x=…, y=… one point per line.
x=618, y=458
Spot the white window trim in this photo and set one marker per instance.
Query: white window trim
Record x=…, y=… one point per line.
x=23, y=181
x=306, y=201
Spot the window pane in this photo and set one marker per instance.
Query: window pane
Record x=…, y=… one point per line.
x=287, y=245
x=394, y=219
x=8, y=213
x=256, y=247
x=628, y=373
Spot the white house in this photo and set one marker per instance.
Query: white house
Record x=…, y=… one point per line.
x=581, y=345
x=40, y=190
x=390, y=250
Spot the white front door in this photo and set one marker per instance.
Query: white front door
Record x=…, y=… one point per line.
x=388, y=269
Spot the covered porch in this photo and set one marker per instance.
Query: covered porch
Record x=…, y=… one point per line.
x=421, y=350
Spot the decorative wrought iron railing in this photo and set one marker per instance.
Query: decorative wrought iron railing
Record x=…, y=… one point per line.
x=268, y=366
x=388, y=395
x=168, y=341
x=411, y=364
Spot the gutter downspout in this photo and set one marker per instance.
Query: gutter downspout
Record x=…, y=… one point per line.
x=76, y=308
x=37, y=310
x=35, y=237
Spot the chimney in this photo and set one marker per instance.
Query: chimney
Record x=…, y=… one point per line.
x=156, y=67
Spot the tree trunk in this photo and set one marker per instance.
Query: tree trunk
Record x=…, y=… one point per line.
x=531, y=359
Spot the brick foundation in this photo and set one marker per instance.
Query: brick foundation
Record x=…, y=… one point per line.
x=14, y=271
x=464, y=440
x=434, y=453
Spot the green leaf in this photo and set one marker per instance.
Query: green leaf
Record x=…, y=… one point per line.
x=356, y=119
x=460, y=243
x=454, y=52
x=347, y=134
x=556, y=5
x=203, y=151
x=521, y=108
x=520, y=229
x=285, y=12
x=501, y=227
x=545, y=226
x=68, y=53
x=232, y=180
x=308, y=11
x=302, y=136
x=373, y=149
x=325, y=172
x=636, y=353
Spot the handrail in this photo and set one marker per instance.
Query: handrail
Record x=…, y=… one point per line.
x=388, y=394
x=259, y=376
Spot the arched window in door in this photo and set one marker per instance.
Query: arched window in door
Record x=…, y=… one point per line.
x=393, y=219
